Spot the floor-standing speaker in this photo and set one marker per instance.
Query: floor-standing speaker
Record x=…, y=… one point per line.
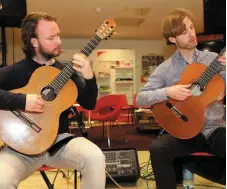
x=12, y=12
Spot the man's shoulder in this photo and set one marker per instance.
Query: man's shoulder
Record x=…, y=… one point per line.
x=165, y=64
x=17, y=65
x=21, y=63
x=207, y=54
x=59, y=64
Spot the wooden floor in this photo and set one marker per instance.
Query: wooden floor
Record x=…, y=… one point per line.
x=35, y=181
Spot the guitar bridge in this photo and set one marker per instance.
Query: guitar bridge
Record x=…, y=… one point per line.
x=27, y=121
x=176, y=112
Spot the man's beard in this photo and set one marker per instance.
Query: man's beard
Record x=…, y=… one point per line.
x=46, y=55
x=189, y=46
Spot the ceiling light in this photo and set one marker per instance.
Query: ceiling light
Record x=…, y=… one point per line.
x=98, y=9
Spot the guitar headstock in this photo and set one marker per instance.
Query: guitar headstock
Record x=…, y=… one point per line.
x=106, y=29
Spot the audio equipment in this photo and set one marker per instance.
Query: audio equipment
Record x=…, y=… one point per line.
x=122, y=164
x=12, y=12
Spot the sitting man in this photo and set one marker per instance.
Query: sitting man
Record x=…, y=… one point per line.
x=178, y=29
x=42, y=43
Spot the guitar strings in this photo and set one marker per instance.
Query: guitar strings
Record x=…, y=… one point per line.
x=87, y=50
x=206, y=76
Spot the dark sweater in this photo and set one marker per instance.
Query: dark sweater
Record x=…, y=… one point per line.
x=18, y=75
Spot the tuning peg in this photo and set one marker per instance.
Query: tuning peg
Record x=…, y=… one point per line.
x=107, y=37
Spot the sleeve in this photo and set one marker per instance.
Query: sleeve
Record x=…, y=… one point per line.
x=212, y=56
x=223, y=75
x=87, y=91
x=9, y=100
x=154, y=91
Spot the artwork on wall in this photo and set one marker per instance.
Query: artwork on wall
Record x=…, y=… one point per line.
x=149, y=63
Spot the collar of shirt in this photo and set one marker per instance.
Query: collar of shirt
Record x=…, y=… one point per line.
x=34, y=65
x=177, y=56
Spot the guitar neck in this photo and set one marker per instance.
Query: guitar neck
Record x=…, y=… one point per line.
x=214, y=68
x=91, y=45
x=68, y=71
x=104, y=31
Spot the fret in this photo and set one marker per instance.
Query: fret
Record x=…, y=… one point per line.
x=91, y=46
x=87, y=49
x=62, y=78
x=84, y=52
x=95, y=42
x=212, y=69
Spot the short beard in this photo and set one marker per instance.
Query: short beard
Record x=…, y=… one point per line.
x=47, y=56
x=188, y=47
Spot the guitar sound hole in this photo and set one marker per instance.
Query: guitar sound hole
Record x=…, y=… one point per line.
x=196, y=89
x=48, y=94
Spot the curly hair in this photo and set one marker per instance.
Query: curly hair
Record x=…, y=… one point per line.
x=173, y=23
x=28, y=30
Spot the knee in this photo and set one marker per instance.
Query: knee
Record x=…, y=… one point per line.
x=6, y=184
x=89, y=153
x=155, y=147
x=161, y=148
x=7, y=181
x=95, y=157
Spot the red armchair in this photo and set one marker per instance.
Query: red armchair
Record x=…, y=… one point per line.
x=105, y=112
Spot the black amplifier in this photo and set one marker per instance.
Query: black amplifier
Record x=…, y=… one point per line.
x=122, y=164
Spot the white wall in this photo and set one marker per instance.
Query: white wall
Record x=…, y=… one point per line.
x=140, y=47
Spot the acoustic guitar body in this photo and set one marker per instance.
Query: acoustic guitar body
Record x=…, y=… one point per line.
x=185, y=119
x=34, y=133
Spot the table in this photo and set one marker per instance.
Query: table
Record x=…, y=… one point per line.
x=144, y=120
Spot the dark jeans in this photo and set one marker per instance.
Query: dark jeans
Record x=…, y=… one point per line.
x=165, y=149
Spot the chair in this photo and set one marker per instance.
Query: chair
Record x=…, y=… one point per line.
x=46, y=179
x=208, y=166
x=105, y=112
x=201, y=154
x=127, y=107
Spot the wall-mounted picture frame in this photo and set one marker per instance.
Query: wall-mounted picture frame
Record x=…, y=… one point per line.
x=149, y=64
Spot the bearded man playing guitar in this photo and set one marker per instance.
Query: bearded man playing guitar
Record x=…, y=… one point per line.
x=179, y=30
x=42, y=43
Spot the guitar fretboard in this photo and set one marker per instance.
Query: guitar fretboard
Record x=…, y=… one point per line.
x=61, y=79
x=214, y=68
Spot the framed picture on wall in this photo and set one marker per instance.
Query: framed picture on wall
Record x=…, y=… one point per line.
x=149, y=64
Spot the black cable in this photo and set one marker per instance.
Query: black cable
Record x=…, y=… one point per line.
x=79, y=121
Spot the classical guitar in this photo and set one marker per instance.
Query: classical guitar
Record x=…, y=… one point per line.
x=185, y=119
x=34, y=133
